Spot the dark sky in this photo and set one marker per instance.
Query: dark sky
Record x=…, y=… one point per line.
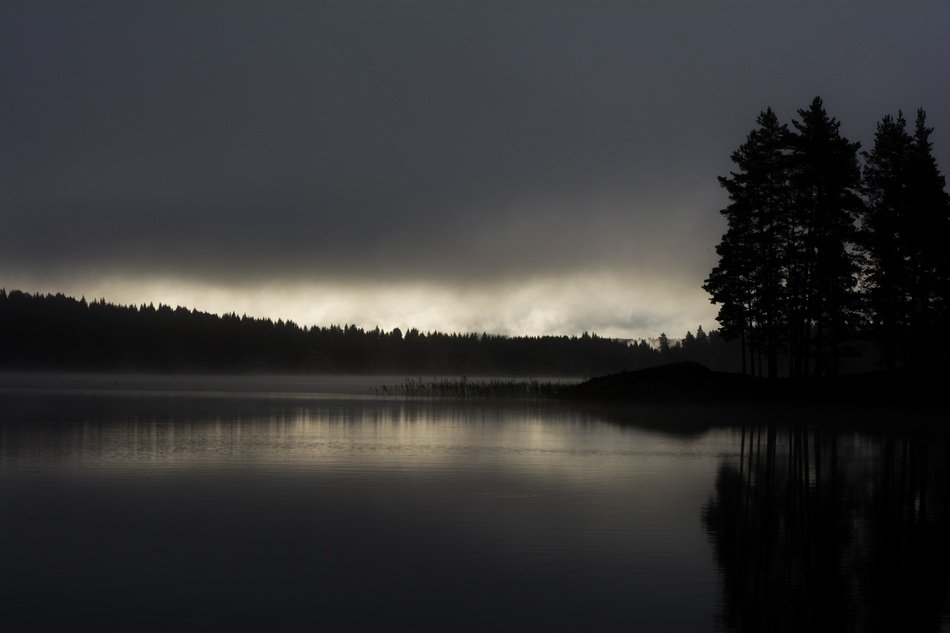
x=503, y=166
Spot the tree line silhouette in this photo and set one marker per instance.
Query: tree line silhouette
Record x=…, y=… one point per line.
x=821, y=253
x=56, y=332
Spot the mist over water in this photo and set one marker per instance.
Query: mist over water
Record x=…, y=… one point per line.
x=166, y=510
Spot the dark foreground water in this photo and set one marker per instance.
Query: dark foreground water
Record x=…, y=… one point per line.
x=214, y=510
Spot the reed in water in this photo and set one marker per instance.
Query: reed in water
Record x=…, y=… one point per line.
x=463, y=388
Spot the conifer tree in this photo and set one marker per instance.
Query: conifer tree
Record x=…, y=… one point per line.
x=664, y=345
x=825, y=181
x=929, y=236
x=884, y=242
x=905, y=233
x=748, y=281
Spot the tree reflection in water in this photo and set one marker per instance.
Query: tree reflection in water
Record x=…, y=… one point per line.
x=832, y=532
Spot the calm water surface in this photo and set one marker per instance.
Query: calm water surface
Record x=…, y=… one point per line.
x=185, y=510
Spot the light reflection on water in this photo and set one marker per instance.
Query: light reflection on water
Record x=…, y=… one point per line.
x=199, y=513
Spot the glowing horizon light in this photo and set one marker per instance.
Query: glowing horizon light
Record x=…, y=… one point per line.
x=602, y=305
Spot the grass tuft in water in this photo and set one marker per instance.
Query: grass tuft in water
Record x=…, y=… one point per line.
x=462, y=388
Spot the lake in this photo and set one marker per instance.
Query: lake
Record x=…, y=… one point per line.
x=199, y=504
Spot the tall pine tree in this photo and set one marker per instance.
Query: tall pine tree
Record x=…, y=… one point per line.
x=929, y=236
x=905, y=232
x=748, y=282
x=884, y=241
x=825, y=181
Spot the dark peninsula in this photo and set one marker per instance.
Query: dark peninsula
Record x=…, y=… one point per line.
x=691, y=382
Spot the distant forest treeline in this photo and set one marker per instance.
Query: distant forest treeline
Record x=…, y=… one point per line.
x=59, y=333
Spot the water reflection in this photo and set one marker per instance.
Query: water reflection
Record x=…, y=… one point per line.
x=272, y=513
x=138, y=431
x=200, y=514
x=831, y=531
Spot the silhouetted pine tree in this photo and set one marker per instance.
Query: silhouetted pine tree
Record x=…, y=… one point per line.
x=883, y=241
x=701, y=346
x=905, y=233
x=664, y=346
x=748, y=282
x=930, y=238
x=822, y=272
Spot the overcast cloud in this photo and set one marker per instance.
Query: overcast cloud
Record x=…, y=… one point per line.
x=482, y=166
